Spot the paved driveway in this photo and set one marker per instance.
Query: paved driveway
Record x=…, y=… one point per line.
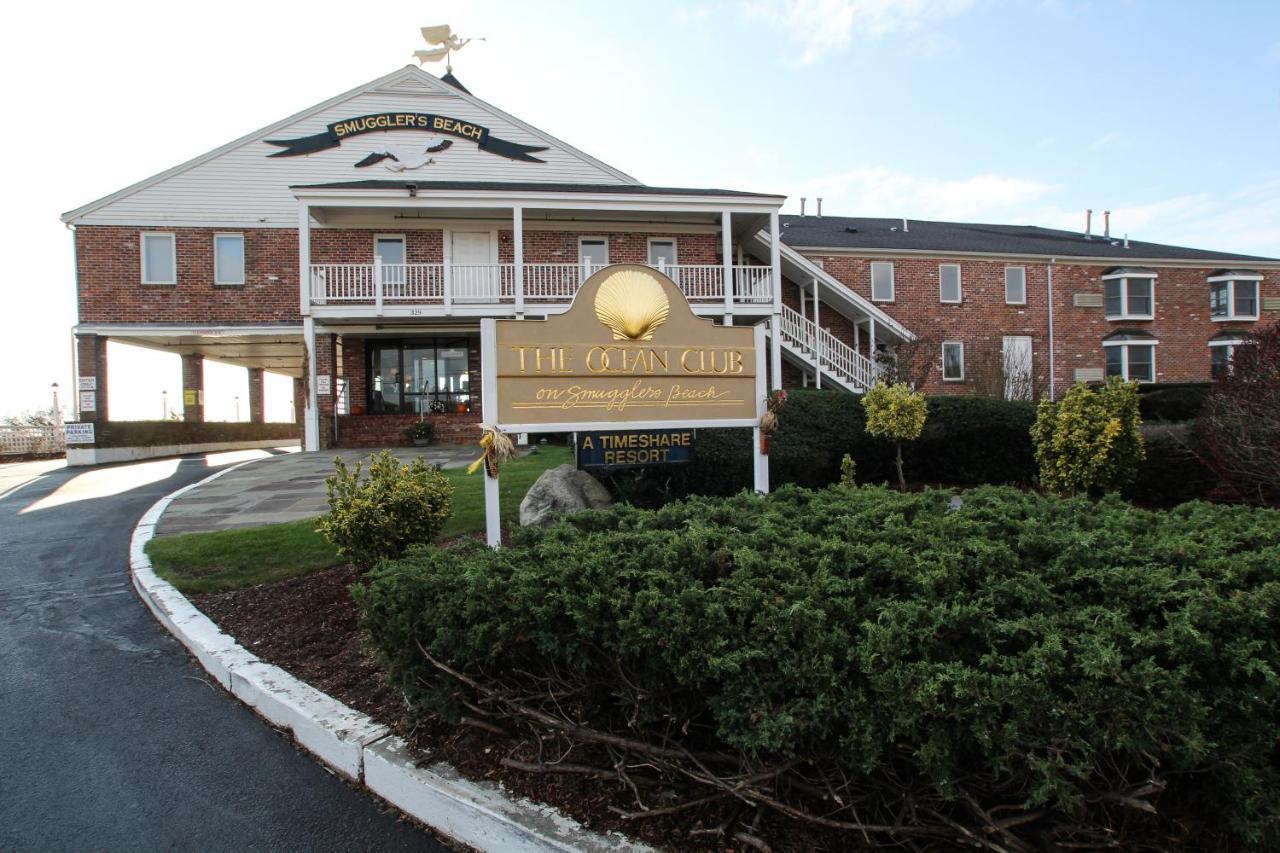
x=111, y=738
x=288, y=487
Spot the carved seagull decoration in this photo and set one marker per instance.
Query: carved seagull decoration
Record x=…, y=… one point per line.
x=404, y=157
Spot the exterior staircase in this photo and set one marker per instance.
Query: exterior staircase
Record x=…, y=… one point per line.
x=804, y=342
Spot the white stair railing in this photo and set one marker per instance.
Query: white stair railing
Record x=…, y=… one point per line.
x=828, y=353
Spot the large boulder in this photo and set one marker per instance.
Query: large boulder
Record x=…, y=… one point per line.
x=561, y=490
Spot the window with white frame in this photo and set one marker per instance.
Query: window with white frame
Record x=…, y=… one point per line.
x=1234, y=296
x=1130, y=296
x=882, y=281
x=952, y=361
x=593, y=252
x=1015, y=285
x=949, y=283
x=662, y=252
x=159, y=259
x=228, y=259
x=1131, y=357
x=1222, y=351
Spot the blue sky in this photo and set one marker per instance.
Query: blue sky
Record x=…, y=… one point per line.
x=1166, y=113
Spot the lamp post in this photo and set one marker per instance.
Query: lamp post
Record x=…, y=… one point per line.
x=164, y=405
x=57, y=412
x=237, y=398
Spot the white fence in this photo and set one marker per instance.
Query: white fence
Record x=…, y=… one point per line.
x=49, y=440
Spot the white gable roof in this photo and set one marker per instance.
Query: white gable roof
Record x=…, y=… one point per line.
x=240, y=185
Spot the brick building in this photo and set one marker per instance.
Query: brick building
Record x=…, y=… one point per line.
x=356, y=245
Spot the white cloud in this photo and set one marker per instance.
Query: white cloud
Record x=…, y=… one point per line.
x=880, y=191
x=821, y=26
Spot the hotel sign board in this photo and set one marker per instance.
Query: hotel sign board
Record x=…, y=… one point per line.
x=634, y=449
x=629, y=351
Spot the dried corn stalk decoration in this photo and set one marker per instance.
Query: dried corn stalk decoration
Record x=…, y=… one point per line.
x=497, y=448
x=769, y=420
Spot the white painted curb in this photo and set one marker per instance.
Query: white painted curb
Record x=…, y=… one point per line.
x=354, y=745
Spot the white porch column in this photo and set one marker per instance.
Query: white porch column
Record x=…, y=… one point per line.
x=517, y=256
x=726, y=253
x=311, y=415
x=304, y=258
x=817, y=342
x=775, y=276
x=871, y=350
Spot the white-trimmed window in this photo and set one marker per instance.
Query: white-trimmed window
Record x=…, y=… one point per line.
x=949, y=283
x=1234, y=296
x=593, y=252
x=159, y=258
x=1222, y=351
x=1129, y=295
x=228, y=259
x=952, y=361
x=662, y=252
x=1015, y=285
x=1131, y=357
x=882, y=281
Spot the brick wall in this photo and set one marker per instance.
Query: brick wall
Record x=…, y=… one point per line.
x=1182, y=323
x=388, y=430
x=109, y=275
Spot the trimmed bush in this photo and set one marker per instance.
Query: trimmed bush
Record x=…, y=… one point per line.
x=1174, y=403
x=1171, y=473
x=377, y=517
x=155, y=433
x=1090, y=441
x=966, y=441
x=1055, y=657
x=897, y=414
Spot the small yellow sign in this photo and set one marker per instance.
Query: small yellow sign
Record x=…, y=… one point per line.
x=188, y=397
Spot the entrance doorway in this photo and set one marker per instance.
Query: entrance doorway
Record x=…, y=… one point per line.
x=476, y=274
x=1019, y=382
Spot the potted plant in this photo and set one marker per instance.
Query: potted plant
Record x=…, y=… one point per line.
x=421, y=433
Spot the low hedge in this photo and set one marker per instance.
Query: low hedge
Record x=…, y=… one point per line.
x=1101, y=674
x=1172, y=402
x=158, y=433
x=966, y=441
x=1172, y=473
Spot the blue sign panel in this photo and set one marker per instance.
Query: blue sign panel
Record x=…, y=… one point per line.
x=634, y=449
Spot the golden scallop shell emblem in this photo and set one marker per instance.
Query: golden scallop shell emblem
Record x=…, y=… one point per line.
x=631, y=305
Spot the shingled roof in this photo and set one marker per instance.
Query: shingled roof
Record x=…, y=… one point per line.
x=852, y=232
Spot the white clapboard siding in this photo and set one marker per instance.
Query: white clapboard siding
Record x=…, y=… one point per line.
x=243, y=186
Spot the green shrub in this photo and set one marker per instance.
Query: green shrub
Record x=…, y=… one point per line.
x=1030, y=652
x=153, y=433
x=380, y=516
x=1175, y=403
x=966, y=441
x=1091, y=441
x=1171, y=473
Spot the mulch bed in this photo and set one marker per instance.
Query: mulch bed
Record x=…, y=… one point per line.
x=307, y=625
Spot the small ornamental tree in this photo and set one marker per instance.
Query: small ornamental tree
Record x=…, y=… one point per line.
x=897, y=413
x=1091, y=441
x=379, y=517
x=1240, y=426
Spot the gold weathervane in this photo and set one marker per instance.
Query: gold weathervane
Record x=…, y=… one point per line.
x=445, y=42
x=631, y=305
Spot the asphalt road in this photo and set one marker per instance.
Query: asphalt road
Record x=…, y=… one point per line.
x=111, y=737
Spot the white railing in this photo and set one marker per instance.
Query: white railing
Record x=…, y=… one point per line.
x=32, y=439
x=494, y=284
x=830, y=354
x=751, y=284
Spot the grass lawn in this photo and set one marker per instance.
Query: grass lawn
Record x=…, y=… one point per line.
x=229, y=559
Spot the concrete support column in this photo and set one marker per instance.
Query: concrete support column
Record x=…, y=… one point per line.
x=299, y=400
x=257, y=409
x=91, y=364
x=193, y=387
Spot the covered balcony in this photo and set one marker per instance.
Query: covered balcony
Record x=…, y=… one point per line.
x=405, y=250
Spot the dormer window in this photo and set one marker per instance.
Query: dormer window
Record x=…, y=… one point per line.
x=1233, y=295
x=1130, y=294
